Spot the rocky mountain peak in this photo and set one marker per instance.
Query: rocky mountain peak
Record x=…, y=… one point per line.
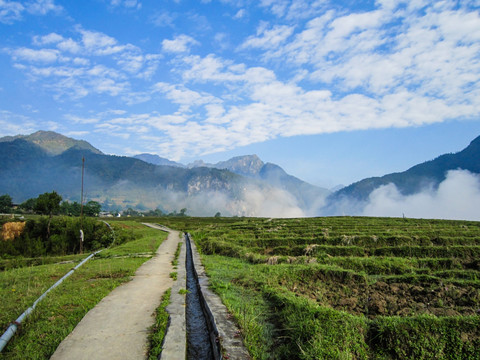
x=52, y=142
x=249, y=165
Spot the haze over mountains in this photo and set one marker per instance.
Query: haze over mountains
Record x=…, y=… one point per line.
x=30, y=167
x=243, y=186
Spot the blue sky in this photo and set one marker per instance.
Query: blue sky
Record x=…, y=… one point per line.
x=332, y=91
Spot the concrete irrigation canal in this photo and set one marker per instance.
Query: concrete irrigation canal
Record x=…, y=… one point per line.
x=202, y=333
x=118, y=327
x=200, y=327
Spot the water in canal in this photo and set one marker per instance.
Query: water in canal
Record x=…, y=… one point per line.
x=198, y=340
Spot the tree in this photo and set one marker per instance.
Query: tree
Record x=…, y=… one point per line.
x=28, y=205
x=71, y=209
x=131, y=212
x=48, y=204
x=218, y=214
x=182, y=212
x=5, y=203
x=92, y=208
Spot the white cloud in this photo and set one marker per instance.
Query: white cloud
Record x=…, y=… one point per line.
x=180, y=44
x=105, y=67
x=398, y=64
x=294, y=9
x=11, y=11
x=31, y=55
x=163, y=19
x=126, y=3
x=457, y=197
x=69, y=45
x=14, y=124
x=267, y=39
x=240, y=14
x=101, y=44
x=187, y=98
x=108, y=86
x=389, y=67
x=433, y=53
x=42, y=7
x=138, y=64
x=81, y=120
x=77, y=134
x=51, y=38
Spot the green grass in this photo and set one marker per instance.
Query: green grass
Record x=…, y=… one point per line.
x=57, y=315
x=328, y=287
x=249, y=308
x=177, y=254
x=346, y=287
x=160, y=327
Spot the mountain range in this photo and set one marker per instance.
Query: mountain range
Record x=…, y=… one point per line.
x=251, y=166
x=47, y=161
x=415, y=179
x=244, y=185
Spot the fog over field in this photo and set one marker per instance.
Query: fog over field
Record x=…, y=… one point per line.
x=457, y=197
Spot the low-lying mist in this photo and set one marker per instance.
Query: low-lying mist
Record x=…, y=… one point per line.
x=456, y=198
x=250, y=200
x=253, y=201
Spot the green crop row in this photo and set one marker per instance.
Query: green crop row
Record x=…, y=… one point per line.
x=278, y=323
x=346, y=287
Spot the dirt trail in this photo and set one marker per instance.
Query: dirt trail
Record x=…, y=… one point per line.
x=117, y=328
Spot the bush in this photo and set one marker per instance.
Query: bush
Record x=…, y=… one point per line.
x=64, y=237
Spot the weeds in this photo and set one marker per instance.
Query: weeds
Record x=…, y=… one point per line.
x=160, y=327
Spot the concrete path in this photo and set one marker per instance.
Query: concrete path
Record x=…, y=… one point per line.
x=117, y=328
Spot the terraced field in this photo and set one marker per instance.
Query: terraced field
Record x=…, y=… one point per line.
x=347, y=287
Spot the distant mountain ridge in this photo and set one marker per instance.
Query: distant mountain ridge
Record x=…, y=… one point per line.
x=243, y=185
x=52, y=142
x=46, y=161
x=157, y=160
x=251, y=166
x=418, y=177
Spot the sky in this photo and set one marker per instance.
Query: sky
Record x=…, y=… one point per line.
x=332, y=91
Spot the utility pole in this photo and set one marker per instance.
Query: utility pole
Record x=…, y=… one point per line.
x=81, y=207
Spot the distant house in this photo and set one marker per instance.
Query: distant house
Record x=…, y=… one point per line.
x=105, y=214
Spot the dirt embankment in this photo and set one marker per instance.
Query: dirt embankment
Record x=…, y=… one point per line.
x=397, y=298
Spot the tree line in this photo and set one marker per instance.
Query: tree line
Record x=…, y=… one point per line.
x=49, y=203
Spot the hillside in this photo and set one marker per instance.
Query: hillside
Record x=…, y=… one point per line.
x=52, y=142
x=417, y=178
x=157, y=160
x=30, y=168
x=308, y=196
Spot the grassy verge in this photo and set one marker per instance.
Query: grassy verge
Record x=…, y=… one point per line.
x=250, y=309
x=57, y=315
x=160, y=328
